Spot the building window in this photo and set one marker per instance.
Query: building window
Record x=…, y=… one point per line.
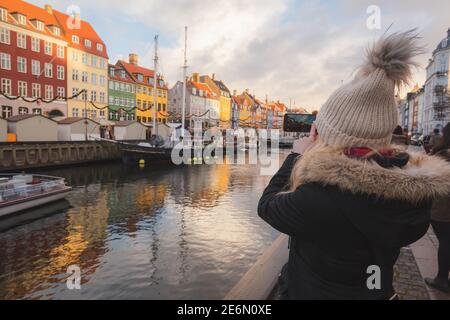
x=35, y=45
x=48, y=92
x=48, y=48
x=84, y=95
x=87, y=43
x=99, y=47
x=122, y=74
x=35, y=90
x=94, y=61
x=111, y=100
x=49, y=70
x=39, y=25
x=102, y=63
x=21, y=40
x=5, y=36
x=75, y=39
x=140, y=77
x=56, y=31
x=75, y=112
x=94, y=78
x=61, y=92
x=102, y=97
x=6, y=86
x=102, y=80
x=84, y=77
x=23, y=110
x=60, y=51
x=84, y=58
x=22, y=88
x=116, y=86
x=21, y=64
x=75, y=56
x=22, y=19
x=6, y=112
x=93, y=96
x=75, y=92
x=37, y=111
x=3, y=14
x=60, y=72
x=75, y=75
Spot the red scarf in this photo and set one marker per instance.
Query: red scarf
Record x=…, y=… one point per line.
x=363, y=152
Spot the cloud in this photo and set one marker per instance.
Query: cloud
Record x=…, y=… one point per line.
x=298, y=50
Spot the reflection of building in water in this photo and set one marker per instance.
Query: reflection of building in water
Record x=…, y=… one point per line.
x=201, y=188
x=43, y=255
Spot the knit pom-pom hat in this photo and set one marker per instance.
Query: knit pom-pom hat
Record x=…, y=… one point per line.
x=363, y=113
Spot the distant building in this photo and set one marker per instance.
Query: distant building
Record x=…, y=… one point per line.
x=436, y=104
x=220, y=90
x=121, y=94
x=144, y=80
x=202, y=104
x=235, y=107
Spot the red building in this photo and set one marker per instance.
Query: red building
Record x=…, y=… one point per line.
x=33, y=60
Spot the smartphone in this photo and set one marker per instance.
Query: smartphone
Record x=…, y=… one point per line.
x=298, y=122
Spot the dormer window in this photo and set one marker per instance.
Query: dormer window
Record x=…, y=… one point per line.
x=39, y=25
x=75, y=39
x=140, y=77
x=151, y=81
x=87, y=43
x=22, y=19
x=3, y=14
x=56, y=31
x=122, y=74
x=111, y=71
x=99, y=47
x=444, y=43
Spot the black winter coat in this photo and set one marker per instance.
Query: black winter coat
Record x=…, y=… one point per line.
x=347, y=215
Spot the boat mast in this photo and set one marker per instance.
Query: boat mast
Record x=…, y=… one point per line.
x=155, y=85
x=183, y=108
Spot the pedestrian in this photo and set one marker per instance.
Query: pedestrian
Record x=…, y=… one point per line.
x=398, y=137
x=346, y=197
x=440, y=221
x=435, y=139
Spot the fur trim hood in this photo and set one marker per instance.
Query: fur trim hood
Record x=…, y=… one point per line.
x=423, y=178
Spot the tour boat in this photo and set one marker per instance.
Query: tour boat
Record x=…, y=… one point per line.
x=19, y=192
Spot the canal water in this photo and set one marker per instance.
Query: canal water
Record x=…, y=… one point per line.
x=166, y=232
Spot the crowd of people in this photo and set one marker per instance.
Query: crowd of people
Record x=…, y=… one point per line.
x=350, y=198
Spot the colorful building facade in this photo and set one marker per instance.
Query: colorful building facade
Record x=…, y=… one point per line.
x=220, y=90
x=144, y=82
x=121, y=94
x=33, y=60
x=87, y=62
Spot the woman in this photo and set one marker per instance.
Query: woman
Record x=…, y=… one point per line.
x=398, y=137
x=348, y=200
x=440, y=221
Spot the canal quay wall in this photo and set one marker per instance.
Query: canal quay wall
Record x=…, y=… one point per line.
x=19, y=156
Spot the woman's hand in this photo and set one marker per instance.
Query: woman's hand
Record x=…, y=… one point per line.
x=304, y=144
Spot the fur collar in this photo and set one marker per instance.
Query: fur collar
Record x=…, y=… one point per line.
x=424, y=177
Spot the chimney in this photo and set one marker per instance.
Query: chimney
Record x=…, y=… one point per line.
x=213, y=76
x=133, y=58
x=48, y=8
x=195, y=77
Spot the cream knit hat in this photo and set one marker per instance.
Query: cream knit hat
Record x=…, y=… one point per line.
x=363, y=113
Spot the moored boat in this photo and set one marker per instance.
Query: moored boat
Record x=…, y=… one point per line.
x=20, y=192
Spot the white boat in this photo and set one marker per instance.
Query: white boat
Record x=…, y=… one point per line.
x=19, y=192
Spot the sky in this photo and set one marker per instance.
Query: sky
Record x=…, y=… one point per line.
x=295, y=51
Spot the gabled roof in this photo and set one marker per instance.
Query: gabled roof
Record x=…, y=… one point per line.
x=32, y=12
x=133, y=70
x=221, y=85
x=71, y=120
x=21, y=117
x=117, y=68
x=125, y=123
x=202, y=86
x=86, y=31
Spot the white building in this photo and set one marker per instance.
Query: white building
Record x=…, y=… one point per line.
x=75, y=129
x=201, y=102
x=32, y=127
x=130, y=130
x=437, y=78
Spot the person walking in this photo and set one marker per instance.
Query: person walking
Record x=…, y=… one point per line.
x=398, y=137
x=440, y=221
x=347, y=199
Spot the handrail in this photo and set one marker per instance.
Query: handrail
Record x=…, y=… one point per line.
x=261, y=279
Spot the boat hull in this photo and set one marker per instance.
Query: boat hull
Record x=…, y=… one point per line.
x=32, y=202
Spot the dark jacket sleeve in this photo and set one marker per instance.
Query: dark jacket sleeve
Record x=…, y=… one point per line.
x=283, y=211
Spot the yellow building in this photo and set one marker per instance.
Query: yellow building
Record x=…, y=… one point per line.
x=87, y=69
x=144, y=79
x=220, y=90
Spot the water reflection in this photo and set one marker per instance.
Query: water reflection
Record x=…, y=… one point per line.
x=160, y=232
